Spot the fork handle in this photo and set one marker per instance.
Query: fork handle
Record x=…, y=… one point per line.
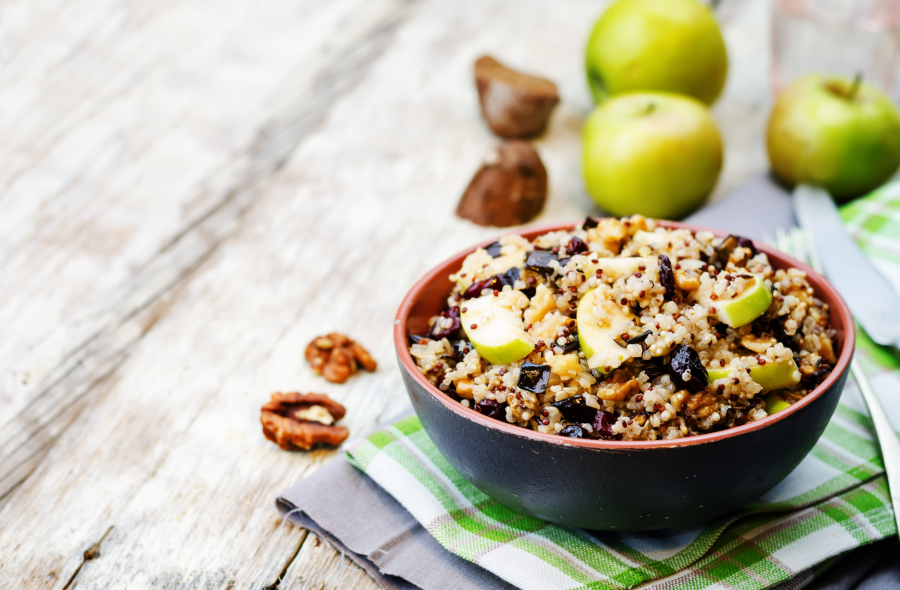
x=887, y=436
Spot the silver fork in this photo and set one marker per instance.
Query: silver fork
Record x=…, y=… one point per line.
x=796, y=243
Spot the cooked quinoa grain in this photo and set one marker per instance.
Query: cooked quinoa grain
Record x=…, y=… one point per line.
x=622, y=330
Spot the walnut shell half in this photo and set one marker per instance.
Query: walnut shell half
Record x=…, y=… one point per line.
x=513, y=104
x=510, y=190
x=282, y=422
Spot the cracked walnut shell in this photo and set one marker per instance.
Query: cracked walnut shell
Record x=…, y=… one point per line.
x=298, y=421
x=336, y=357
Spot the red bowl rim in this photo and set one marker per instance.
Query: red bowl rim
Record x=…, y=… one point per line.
x=440, y=271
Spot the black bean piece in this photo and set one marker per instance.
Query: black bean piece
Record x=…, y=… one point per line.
x=572, y=346
x=491, y=409
x=603, y=423
x=723, y=252
x=666, y=276
x=460, y=348
x=436, y=333
x=452, y=393
x=655, y=368
x=685, y=359
x=416, y=339
x=493, y=249
x=574, y=431
x=589, y=222
x=529, y=292
x=539, y=261
x=576, y=246
x=564, y=261
x=639, y=338
x=534, y=378
x=511, y=276
x=575, y=410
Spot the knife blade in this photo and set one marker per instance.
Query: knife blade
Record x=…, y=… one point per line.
x=872, y=299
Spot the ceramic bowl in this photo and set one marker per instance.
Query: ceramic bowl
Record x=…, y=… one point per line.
x=618, y=485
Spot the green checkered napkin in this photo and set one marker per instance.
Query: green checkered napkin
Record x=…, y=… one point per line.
x=834, y=501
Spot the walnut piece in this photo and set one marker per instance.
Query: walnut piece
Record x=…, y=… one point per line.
x=507, y=190
x=298, y=421
x=513, y=104
x=336, y=357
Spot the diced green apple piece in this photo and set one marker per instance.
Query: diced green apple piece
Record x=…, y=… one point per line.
x=775, y=404
x=746, y=307
x=770, y=375
x=497, y=332
x=598, y=342
x=616, y=268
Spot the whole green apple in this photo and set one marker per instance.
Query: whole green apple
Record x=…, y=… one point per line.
x=843, y=136
x=652, y=153
x=664, y=45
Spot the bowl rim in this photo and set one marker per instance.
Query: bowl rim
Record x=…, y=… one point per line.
x=406, y=360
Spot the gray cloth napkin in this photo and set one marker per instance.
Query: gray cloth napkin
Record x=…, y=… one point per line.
x=350, y=511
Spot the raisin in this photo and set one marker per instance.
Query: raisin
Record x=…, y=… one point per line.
x=493, y=249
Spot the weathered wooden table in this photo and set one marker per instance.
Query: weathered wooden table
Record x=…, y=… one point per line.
x=191, y=191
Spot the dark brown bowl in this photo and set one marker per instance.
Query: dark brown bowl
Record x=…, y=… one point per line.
x=612, y=485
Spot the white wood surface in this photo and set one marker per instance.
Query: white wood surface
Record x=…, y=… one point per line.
x=191, y=191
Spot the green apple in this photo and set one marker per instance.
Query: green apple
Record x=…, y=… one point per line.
x=775, y=404
x=598, y=341
x=497, y=332
x=655, y=154
x=616, y=268
x=770, y=375
x=843, y=136
x=670, y=45
x=743, y=309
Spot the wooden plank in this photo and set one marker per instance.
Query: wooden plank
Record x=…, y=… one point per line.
x=170, y=454
x=79, y=351
x=319, y=565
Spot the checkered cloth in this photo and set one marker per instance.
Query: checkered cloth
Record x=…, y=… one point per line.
x=836, y=499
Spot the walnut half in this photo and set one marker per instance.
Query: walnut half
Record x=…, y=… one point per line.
x=298, y=421
x=336, y=357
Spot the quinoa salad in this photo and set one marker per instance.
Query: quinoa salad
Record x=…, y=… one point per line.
x=620, y=329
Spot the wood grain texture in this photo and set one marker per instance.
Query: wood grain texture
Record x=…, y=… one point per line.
x=192, y=191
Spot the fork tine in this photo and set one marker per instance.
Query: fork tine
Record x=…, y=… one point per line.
x=781, y=240
x=800, y=247
x=814, y=260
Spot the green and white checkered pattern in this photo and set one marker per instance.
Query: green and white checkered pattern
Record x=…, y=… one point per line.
x=835, y=501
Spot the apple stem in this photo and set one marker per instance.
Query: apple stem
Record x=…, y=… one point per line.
x=650, y=108
x=854, y=86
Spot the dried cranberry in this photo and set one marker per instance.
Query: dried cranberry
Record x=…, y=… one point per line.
x=534, y=378
x=494, y=283
x=436, y=332
x=666, y=276
x=491, y=409
x=603, y=423
x=539, y=261
x=576, y=246
x=745, y=243
x=574, y=431
x=685, y=359
x=589, y=222
x=576, y=410
x=493, y=249
x=451, y=391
